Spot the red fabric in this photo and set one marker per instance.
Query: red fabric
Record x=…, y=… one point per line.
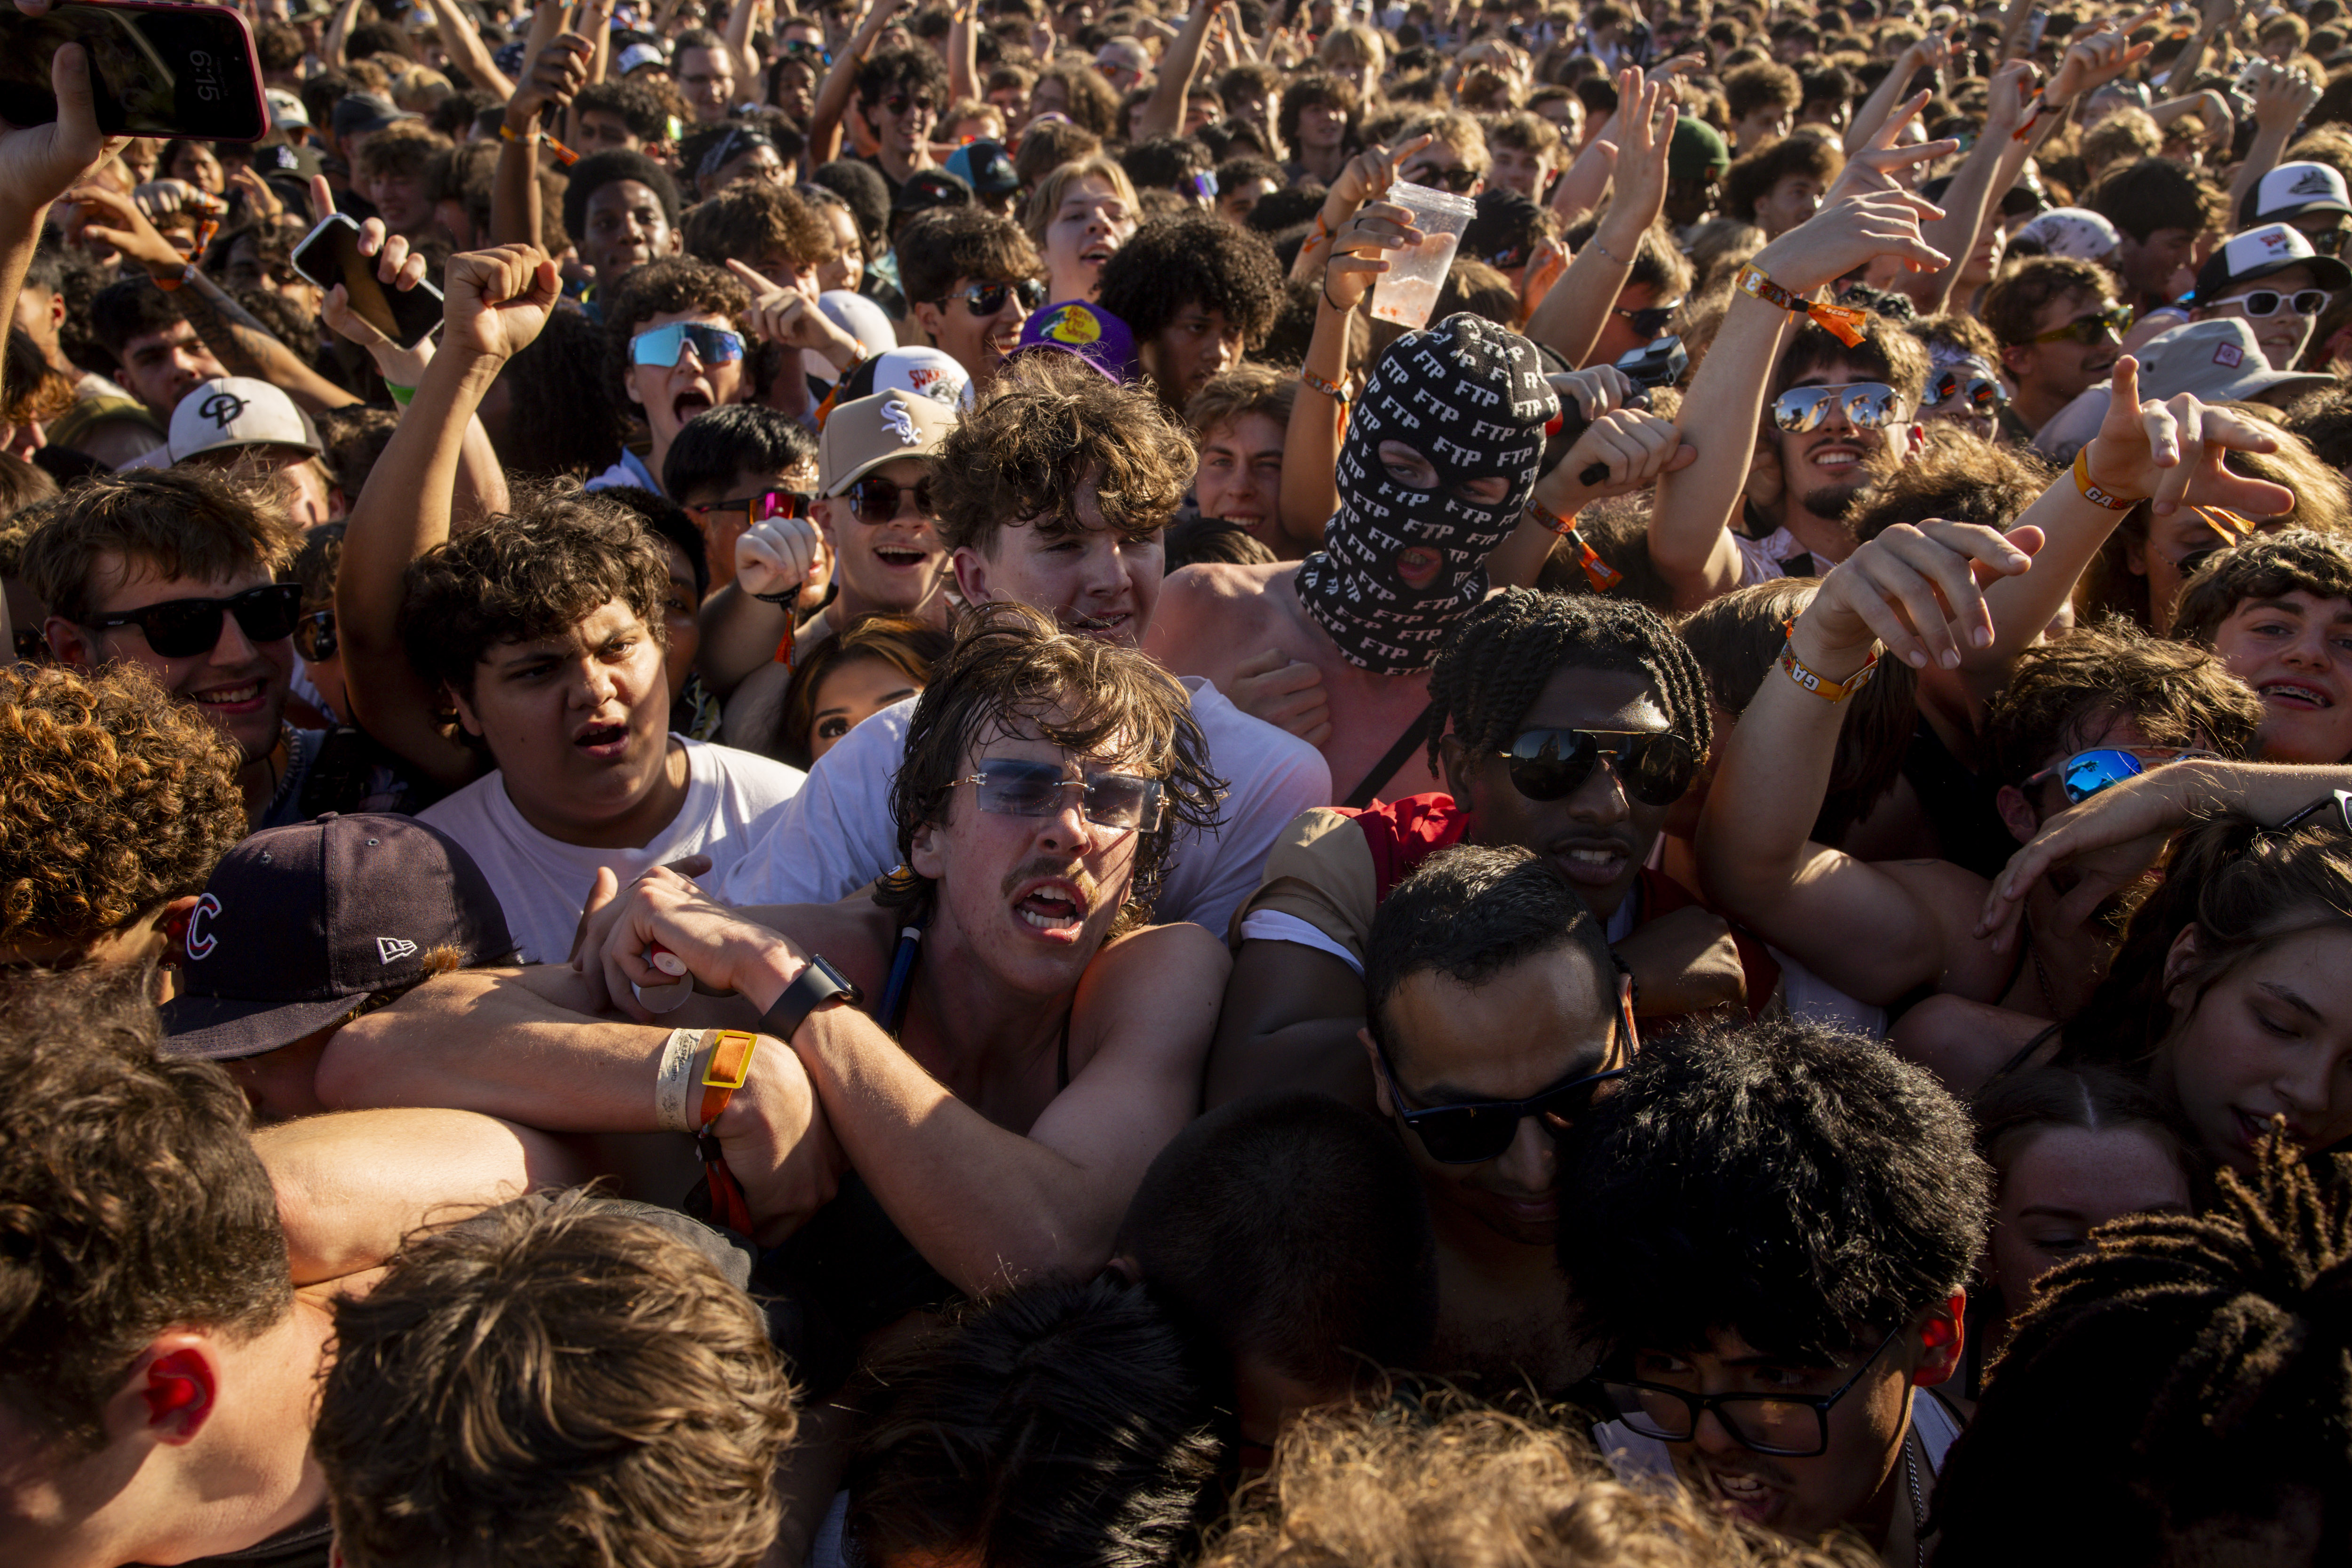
x=1402, y=834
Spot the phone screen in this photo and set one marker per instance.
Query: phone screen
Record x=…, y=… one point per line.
x=163, y=70
x=331, y=255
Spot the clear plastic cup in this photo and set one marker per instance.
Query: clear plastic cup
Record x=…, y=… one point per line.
x=1407, y=292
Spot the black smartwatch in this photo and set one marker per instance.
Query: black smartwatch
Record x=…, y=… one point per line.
x=818, y=985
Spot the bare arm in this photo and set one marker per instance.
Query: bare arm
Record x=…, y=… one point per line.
x=2281, y=97
x=39, y=162
x=1891, y=88
x=1289, y=1021
x=738, y=38
x=1871, y=931
x=354, y=1185
x=557, y=72
x=466, y=50
x=1575, y=312
x=1971, y=200
x=338, y=31
x=964, y=51
x=497, y=300
x=2215, y=17
x=1163, y=113
x=833, y=94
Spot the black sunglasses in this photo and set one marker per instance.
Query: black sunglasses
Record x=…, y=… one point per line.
x=877, y=500
x=314, y=636
x=899, y=102
x=1476, y=1131
x=1457, y=179
x=2330, y=241
x=1649, y=320
x=1654, y=765
x=1793, y=1425
x=182, y=628
x=987, y=299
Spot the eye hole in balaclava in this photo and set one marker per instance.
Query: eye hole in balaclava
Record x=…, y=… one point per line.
x=1462, y=402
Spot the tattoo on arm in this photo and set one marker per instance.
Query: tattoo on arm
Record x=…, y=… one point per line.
x=242, y=344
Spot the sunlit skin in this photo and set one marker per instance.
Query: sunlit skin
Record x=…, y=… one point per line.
x=1822, y=469
x=893, y=565
x=1235, y=205
x=160, y=368
x=601, y=130
x=238, y=684
x=1758, y=126
x=1619, y=337
x=1092, y=222
x=2283, y=333
x=759, y=166
x=404, y=200
x=851, y=692
x=2172, y=539
x=847, y=270
x=670, y=396
x=2272, y=1038
x=1096, y=583
x=627, y=227
x=707, y=82
x=1516, y=169
x=1433, y=163
x=1239, y=477
x=578, y=723
x=2295, y=651
x=977, y=342
x=1792, y=199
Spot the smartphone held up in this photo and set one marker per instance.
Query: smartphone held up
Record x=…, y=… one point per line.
x=157, y=69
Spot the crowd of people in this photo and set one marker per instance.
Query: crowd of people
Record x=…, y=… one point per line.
x=860, y=805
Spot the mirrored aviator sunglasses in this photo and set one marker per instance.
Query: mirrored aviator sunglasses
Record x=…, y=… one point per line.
x=1970, y=394
x=1866, y=405
x=662, y=347
x=1655, y=766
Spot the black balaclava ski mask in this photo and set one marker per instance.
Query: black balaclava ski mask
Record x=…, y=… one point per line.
x=1471, y=397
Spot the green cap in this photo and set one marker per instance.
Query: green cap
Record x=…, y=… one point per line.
x=1698, y=150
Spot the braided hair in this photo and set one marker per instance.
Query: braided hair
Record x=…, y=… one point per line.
x=1497, y=658
x=2189, y=1382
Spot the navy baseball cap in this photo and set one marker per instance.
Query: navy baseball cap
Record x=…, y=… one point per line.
x=299, y=923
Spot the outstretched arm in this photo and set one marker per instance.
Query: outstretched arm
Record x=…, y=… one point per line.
x=1869, y=929
x=833, y=93
x=1576, y=310
x=39, y=162
x=497, y=302
x=1162, y=113
x=2281, y=97
x=554, y=75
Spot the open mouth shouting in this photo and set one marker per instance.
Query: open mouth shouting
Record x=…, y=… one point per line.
x=1745, y=1494
x=1053, y=909
x=694, y=400
x=606, y=740
x=902, y=557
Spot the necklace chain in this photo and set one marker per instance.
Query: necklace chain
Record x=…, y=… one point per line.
x=1918, y=1508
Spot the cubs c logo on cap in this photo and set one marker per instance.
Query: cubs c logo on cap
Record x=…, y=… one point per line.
x=1073, y=324
x=199, y=942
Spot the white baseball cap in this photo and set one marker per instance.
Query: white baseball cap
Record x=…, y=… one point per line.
x=2077, y=232
x=861, y=318
x=638, y=55
x=238, y=411
x=286, y=110
x=2293, y=188
x=2263, y=252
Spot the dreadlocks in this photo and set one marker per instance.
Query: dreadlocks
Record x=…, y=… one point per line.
x=1497, y=658
x=2186, y=1386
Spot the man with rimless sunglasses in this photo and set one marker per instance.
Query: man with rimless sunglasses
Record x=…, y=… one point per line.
x=1496, y=1021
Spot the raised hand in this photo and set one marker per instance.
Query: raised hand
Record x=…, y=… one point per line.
x=496, y=300
x=1359, y=249
x=115, y=219
x=1873, y=168
x=401, y=364
x=1856, y=231
x=782, y=314
x=559, y=72
x=664, y=928
x=1646, y=136
x=2281, y=97
x=2171, y=452
x=1622, y=450
x=2097, y=61
x=39, y=162
x=1916, y=590
x=1369, y=174
x=2110, y=839
x=776, y=555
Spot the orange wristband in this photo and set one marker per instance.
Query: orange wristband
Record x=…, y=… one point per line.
x=730, y=1064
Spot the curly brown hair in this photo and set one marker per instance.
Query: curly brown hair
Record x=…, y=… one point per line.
x=113, y=800
x=1374, y=1487
x=1954, y=478
x=656, y=288
x=2177, y=693
x=130, y=1198
x=528, y=573
x=182, y=522
x=1051, y=429
x=562, y=1381
x=2269, y=566
x=1011, y=663
x=751, y=222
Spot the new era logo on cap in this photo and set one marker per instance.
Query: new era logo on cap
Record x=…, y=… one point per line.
x=390, y=948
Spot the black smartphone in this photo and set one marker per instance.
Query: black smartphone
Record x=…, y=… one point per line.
x=1658, y=363
x=330, y=254
x=157, y=69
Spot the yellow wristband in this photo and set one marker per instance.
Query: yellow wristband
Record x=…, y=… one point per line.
x=1826, y=689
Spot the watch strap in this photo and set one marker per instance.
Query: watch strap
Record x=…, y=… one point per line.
x=818, y=984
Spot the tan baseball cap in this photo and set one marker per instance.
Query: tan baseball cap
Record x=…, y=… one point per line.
x=862, y=434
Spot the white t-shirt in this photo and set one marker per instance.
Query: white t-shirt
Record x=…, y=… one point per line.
x=731, y=796
x=837, y=835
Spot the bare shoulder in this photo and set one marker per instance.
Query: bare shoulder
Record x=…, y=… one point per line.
x=1232, y=596
x=1954, y=897
x=1168, y=978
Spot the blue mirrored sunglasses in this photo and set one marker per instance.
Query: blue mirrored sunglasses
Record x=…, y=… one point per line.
x=664, y=346
x=2086, y=773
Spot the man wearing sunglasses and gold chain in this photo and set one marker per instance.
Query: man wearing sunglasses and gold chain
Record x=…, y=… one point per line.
x=1495, y=1020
